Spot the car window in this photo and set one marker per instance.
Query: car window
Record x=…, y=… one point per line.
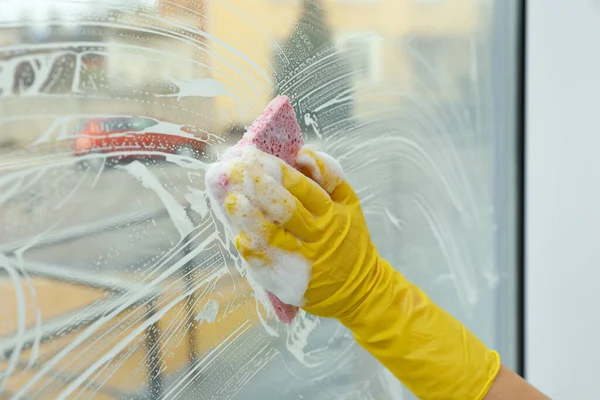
x=141, y=123
x=117, y=281
x=129, y=123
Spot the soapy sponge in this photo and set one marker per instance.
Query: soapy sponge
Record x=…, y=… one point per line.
x=275, y=132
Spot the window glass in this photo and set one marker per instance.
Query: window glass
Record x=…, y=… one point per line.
x=117, y=281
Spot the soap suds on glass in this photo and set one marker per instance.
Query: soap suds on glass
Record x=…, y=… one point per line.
x=112, y=260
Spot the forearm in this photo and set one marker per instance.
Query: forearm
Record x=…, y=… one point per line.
x=510, y=386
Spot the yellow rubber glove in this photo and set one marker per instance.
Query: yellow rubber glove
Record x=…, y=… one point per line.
x=429, y=351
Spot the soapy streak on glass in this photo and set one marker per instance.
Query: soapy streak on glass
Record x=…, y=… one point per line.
x=120, y=282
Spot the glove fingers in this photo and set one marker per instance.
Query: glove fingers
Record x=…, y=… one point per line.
x=328, y=173
x=311, y=195
x=274, y=256
x=284, y=209
x=259, y=254
x=302, y=224
x=345, y=194
x=255, y=232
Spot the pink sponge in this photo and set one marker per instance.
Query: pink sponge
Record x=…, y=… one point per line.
x=277, y=132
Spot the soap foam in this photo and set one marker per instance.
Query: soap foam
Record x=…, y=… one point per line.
x=257, y=176
x=275, y=132
x=246, y=186
x=287, y=277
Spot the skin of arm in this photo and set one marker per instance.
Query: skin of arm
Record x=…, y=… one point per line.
x=510, y=386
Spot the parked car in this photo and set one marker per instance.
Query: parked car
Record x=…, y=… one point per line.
x=127, y=138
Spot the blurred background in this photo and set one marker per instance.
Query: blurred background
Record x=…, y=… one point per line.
x=116, y=280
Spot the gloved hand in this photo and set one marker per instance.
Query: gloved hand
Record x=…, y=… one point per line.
x=317, y=225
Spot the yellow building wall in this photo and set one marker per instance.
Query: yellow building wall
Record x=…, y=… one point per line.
x=254, y=27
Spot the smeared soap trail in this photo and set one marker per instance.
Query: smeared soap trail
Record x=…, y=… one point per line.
x=108, y=356
x=175, y=210
x=21, y=315
x=209, y=312
x=131, y=298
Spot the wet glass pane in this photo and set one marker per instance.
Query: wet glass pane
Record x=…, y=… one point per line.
x=117, y=281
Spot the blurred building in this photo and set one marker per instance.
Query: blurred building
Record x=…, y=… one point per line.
x=410, y=45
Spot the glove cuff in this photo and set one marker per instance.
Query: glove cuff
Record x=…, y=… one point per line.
x=429, y=351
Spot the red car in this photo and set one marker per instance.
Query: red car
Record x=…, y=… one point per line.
x=134, y=136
